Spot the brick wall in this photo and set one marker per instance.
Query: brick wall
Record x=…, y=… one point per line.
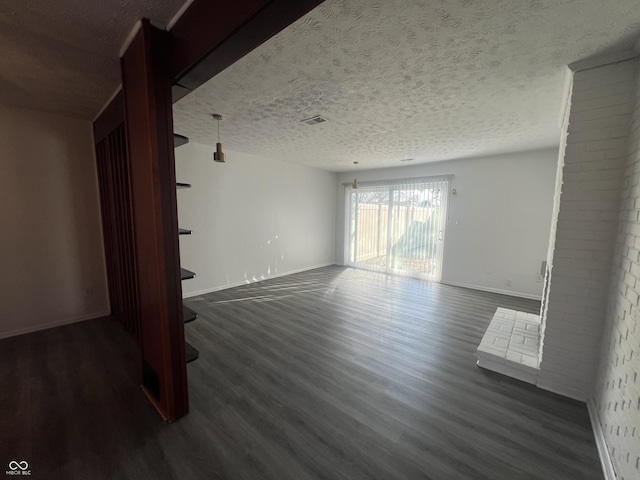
x=587, y=216
x=617, y=390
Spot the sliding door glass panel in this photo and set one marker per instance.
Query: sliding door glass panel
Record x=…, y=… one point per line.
x=369, y=214
x=399, y=227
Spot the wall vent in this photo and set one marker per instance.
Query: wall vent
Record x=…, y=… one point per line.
x=313, y=120
x=407, y=159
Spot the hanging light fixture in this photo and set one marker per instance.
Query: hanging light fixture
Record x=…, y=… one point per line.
x=218, y=155
x=355, y=180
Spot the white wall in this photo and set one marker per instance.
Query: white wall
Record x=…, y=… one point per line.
x=499, y=220
x=252, y=218
x=50, y=241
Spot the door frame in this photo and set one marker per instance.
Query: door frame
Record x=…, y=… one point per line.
x=396, y=185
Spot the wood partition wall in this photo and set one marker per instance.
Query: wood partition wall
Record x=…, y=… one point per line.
x=117, y=218
x=138, y=185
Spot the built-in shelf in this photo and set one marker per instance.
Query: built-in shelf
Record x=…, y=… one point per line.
x=190, y=352
x=179, y=140
x=186, y=274
x=188, y=314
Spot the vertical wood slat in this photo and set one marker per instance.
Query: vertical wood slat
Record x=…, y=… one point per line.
x=115, y=200
x=117, y=208
x=129, y=288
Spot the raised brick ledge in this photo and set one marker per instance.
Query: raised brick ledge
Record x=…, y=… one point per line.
x=511, y=345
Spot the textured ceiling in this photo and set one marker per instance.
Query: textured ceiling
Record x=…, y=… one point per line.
x=429, y=80
x=62, y=55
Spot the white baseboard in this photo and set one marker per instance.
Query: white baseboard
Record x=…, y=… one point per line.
x=247, y=282
x=57, y=323
x=511, y=293
x=603, y=451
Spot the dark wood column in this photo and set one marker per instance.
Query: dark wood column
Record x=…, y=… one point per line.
x=210, y=36
x=146, y=82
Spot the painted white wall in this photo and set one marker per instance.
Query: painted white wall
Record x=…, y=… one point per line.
x=252, y=218
x=51, y=240
x=498, y=221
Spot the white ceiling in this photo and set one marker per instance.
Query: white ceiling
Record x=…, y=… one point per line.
x=61, y=56
x=429, y=80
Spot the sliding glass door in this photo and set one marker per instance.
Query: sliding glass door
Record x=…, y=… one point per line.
x=398, y=226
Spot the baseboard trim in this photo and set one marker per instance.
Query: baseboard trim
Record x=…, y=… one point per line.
x=603, y=451
x=247, y=282
x=493, y=290
x=58, y=323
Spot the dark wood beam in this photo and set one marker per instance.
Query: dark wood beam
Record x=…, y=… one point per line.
x=204, y=26
x=212, y=35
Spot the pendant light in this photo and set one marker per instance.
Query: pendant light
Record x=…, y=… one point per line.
x=355, y=180
x=218, y=155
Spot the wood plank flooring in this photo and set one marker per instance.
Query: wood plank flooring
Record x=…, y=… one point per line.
x=334, y=373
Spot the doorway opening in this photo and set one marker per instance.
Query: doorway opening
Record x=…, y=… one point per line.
x=398, y=226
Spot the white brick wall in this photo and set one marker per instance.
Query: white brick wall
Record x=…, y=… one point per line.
x=617, y=390
x=591, y=176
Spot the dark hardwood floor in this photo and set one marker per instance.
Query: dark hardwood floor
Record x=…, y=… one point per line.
x=334, y=373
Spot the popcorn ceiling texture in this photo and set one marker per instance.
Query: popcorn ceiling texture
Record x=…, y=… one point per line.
x=397, y=79
x=62, y=56
x=430, y=80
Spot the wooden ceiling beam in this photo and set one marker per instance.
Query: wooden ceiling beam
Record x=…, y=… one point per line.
x=212, y=35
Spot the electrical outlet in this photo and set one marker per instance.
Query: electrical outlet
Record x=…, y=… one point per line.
x=539, y=278
x=487, y=271
x=88, y=292
x=509, y=282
